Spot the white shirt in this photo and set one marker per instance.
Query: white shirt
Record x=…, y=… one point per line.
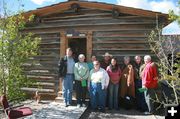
x=100, y=76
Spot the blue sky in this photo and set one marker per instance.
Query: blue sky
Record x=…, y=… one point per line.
x=153, y=5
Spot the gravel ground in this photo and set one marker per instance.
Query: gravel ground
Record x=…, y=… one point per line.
x=120, y=114
x=51, y=110
x=54, y=110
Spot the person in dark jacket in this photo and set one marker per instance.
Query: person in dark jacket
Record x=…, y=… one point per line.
x=140, y=99
x=66, y=72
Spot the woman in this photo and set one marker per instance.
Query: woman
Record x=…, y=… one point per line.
x=127, y=88
x=90, y=64
x=114, y=73
x=81, y=72
x=97, y=84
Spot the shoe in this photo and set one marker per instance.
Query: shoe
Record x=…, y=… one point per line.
x=66, y=105
x=147, y=113
x=102, y=110
x=78, y=105
x=109, y=108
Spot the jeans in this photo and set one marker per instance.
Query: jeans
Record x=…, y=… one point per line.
x=68, y=88
x=97, y=96
x=80, y=92
x=150, y=96
x=113, y=95
x=140, y=99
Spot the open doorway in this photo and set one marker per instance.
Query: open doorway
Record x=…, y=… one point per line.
x=78, y=46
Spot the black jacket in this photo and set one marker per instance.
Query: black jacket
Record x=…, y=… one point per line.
x=62, y=66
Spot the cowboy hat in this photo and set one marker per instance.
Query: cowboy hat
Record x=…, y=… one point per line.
x=107, y=54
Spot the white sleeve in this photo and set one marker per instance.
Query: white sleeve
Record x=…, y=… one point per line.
x=106, y=78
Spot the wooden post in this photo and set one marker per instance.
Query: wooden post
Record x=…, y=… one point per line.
x=63, y=46
x=89, y=45
x=63, y=43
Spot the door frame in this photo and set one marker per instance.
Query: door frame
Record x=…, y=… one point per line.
x=64, y=42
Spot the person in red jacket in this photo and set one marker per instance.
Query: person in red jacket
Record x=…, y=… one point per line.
x=149, y=81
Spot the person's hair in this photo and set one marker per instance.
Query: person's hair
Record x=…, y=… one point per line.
x=148, y=57
x=93, y=55
x=97, y=61
x=69, y=49
x=81, y=55
x=116, y=67
x=126, y=58
x=137, y=57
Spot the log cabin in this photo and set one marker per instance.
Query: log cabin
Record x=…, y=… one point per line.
x=89, y=28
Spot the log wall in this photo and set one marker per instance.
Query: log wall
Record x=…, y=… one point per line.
x=120, y=36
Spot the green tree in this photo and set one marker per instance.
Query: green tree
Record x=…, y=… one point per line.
x=173, y=16
x=166, y=49
x=16, y=47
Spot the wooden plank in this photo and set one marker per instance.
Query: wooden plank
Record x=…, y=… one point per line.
x=97, y=21
x=89, y=45
x=122, y=49
x=77, y=16
x=37, y=89
x=119, y=39
x=86, y=25
x=92, y=28
x=63, y=44
x=42, y=78
x=99, y=17
x=122, y=42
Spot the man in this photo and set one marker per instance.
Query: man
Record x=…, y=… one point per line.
x=66, y=72
x=140, y=100
x=106, y=61
x=104, y=64
x=149, y=81
x=97, y=84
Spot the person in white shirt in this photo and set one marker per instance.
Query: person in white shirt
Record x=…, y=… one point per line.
x=97, y=84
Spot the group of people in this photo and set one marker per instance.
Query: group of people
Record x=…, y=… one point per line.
x=108, y=83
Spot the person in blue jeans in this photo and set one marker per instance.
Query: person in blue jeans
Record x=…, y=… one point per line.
x=114, y=73
x=66, y=73
x=97, y=84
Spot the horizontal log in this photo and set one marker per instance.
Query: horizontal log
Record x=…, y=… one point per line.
x=45, y=56
x=122, y=35
x=40, y=73
x=88, y=24
x=99, y=21
x=119, y=45
x=38, y=89
x=47, y=64
x=45, y=52
x=122, y=49
x=79, y=16
x=50, y=43
x=54, y=50
x=42, y=78
x=92, y=27
x=104, y=39
x=41, y=26
x=121, y=42
x=95, y=30
x=50, y=49
x=144, y=31
x=50, y=69
x=85, y=19
x=43, y=85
